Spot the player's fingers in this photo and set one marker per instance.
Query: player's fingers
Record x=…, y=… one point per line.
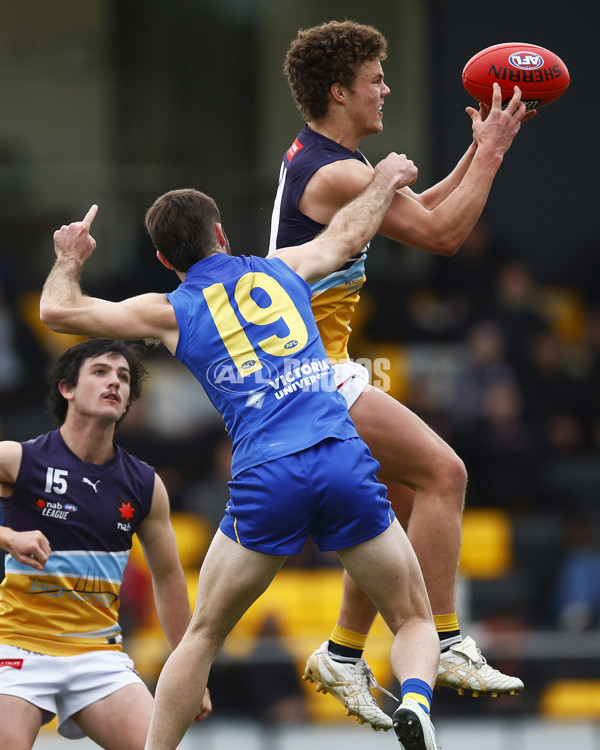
x=39, y=557
x=515, y=102
x=29, y=559
x=413, y=172
x=521, y=111
x=89, y=217
x=484, y=110
x=496, y=96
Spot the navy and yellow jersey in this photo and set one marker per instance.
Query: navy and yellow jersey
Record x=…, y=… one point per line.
x=247, y=333
x=89, y=514
x=335, y=296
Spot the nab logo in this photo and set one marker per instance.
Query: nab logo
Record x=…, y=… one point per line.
x=526, y=61
x=127, y=512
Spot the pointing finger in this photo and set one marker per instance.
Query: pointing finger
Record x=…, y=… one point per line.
x=89, y=217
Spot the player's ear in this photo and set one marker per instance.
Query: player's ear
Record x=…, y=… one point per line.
x=163, y=260
x=337, y=92
x=220, y=235
x=65, y=390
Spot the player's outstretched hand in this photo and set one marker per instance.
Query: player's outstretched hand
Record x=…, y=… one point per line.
x=74, y=240
x=497, y=128
x=398, y=169
x=30, y=548
x=484, y=110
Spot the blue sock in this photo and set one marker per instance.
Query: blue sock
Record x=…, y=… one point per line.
x=419, y=691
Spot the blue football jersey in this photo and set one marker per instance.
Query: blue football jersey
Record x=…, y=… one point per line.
x=247, y=333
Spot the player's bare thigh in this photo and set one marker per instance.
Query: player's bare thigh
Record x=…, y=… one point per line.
x=120, y=720
x=409, y=451
x=231, y=579
x=20, y=722
x=399, y=594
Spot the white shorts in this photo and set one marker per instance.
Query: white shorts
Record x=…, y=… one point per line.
x=62, y=685
x=351, y=380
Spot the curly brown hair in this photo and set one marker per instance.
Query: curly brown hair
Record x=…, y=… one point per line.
x=327, y=54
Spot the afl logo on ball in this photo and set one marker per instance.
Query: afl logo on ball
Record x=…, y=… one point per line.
x=526, y=60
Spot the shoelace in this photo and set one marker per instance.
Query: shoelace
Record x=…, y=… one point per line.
x=374, y=684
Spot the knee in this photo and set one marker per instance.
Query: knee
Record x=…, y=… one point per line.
x=458, y=475
x=205, y=634
x=451, y=477
x=414, y=611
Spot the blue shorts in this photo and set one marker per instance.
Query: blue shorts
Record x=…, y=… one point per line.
x=329, y=492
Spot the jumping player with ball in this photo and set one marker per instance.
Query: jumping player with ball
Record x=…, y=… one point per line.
x=242, y=325
x=336, y=77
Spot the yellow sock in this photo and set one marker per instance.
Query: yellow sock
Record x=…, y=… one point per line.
x=448, y=630
x=348, y=638
x=446, y=623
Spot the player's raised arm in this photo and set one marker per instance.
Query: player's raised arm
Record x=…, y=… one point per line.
x=443, y=230
x=74, y=240
x=73, y=245
x=66, y=309
x=354, y=224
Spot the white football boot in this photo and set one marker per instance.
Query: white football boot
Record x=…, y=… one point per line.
x=463, y=668
x=350, y=684
x=413, y=726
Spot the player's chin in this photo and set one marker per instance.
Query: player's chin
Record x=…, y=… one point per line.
x=113, y=410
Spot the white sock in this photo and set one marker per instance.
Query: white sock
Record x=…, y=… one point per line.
x=446, y=643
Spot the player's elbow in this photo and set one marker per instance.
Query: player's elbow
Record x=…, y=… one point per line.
x=53, y=316
x=447, y=248
x=48, y=313
x=444, y=240
x=443, y=247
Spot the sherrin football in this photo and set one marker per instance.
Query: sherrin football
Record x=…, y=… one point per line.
x=540, y=74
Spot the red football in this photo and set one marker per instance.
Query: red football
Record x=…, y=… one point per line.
x=540, y=74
